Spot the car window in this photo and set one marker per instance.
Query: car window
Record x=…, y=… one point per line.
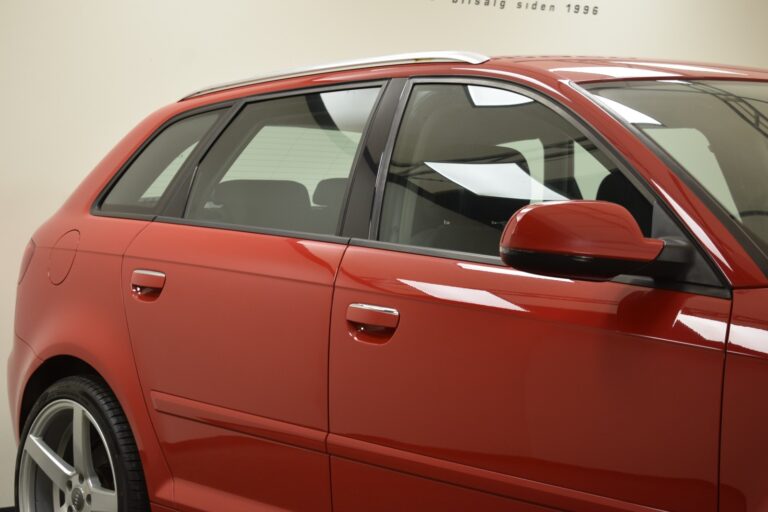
x=284, y=163
x=717, y=131
x=468, y=157
x=588, y=172
x=146, y=180
x=533, y=152
x=161, y=183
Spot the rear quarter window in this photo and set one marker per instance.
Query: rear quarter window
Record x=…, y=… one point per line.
x=143, y=184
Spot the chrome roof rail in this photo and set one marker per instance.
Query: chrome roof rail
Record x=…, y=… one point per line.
x=388, y=60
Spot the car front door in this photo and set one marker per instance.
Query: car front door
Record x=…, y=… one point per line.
x=228, y=304
x=457, y=383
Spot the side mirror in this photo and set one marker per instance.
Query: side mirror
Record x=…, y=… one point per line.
x=588, y=239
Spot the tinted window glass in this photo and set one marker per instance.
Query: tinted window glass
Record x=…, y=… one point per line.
x=284, y=163
x=143, y=184
x=468, y=157
x=716, y=130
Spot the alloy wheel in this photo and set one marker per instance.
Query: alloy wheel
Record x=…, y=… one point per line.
x=66, y=465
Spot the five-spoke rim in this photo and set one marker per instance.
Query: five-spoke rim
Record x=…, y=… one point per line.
x=66, y=465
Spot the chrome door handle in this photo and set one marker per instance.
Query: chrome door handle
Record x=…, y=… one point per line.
x=147, y=284
x=373, y=316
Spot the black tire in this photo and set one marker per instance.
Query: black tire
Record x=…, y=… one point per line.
x=95, y=396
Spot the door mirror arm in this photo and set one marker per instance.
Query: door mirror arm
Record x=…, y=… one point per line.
x=672, y=262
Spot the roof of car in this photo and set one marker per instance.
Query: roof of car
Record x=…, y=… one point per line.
x=547, y=70
x=588, y=69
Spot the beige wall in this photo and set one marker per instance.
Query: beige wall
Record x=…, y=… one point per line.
x=75, y=75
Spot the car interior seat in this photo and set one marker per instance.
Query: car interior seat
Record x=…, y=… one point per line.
x=616, y=188
x=277, y=204
x=328, y=199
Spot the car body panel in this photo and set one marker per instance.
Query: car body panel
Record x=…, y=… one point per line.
x=22, y=363
x=608, y=389
x=84, y=318
x=235, y=346
x=367, y=487
x=744, y=472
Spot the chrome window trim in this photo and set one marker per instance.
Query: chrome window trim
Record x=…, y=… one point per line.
x=386, y=60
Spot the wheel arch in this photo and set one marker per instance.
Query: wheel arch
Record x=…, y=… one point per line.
x=49, y=372
x=56, y=361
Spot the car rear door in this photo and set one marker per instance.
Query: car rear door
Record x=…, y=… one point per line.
x=228, y=302
x=457, y=383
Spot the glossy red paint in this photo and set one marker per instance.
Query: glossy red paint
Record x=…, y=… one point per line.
x=495, y=379
x=745, y=417
x=494, y=390
x=83, y=318
x=22, y=363
x=26, y=258
x=63, y=256
x=352, y=492
x=595, y=229
x=230, y=419
x=245, y=343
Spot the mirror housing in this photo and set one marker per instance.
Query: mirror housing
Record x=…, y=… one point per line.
x=589, y=240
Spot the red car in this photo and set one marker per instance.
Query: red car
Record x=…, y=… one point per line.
x=426, y=282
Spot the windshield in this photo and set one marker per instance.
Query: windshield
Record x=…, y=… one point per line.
x=716, y=130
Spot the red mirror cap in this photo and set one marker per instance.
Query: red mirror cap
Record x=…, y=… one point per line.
x=596, y=229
